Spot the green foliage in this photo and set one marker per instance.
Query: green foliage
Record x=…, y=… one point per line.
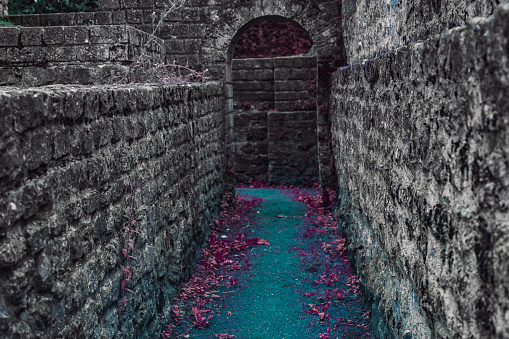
x=51, y=6
x=6, y=24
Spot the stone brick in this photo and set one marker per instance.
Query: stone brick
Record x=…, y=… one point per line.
x=119, y=52
x=66, y=19
x=9, y=36
x=31, y=20
x=119, y=17
x=7, y=76
x=51, y=19
x=108, y=34
x=109, y=4
x=145, y=3
x=76, y=35
x=129, y=3
x=103, y=18
x=99, y=52
x=12, y=160
x=192, y=14
x=36, y=149
x=180, y=30
x=53, y=35
x=134, y=16
x=31, y=36
x=84, y=18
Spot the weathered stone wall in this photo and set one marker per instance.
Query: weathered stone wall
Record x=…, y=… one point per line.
x=371, y=27
x=204, y=33
x=271, y=142
x=292, y=152
x=72, y=54
x=67, y=154
x=3, y=7
x=421, y=148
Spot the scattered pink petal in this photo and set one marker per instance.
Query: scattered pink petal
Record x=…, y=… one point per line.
x=224, y=335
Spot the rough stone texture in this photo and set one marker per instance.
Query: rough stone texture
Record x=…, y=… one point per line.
x=251, y=146
x=203, y=33
x=262, y=87
x=72, y=54
x=292, y=153
x=67, y=153
x=370, y=27
x=421, y=148
x=3, y=7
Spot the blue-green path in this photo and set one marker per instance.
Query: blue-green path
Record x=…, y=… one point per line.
x=268, y=302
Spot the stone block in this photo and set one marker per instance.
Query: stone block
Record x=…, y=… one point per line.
x=16, y=19
x=31, y=20
x=84, y=18
x=180, y=30
x=266, y=74
x=78, y=35
x=66, y=19
x=9, y=36
x=31, y=36
x=12, y=159
x=53, y=35
x=174, y=46
x=288, y=96
x=134, y=16
x=192, y=14
x=36, y=149
x=119, y=17
x=51, y=19
x=146, y=3
x=129, y=4
x=119, y=52
x=7, y=75
x=103, y=18
x=108, y=34
x=109, y=5
x=283, y=62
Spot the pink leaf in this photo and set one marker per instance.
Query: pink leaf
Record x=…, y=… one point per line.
x=279, y=216
x=124, y=251
x=262, y=242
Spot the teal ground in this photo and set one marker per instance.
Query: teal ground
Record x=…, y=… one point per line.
x=285, y=280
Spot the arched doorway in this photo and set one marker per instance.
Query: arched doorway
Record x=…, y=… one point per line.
x=272, y=103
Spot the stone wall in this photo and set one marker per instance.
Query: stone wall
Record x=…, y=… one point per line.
x=372, y=27
x=420, y=139
x=271, y=142
x=3, y=7
x=72, y=54
x=204, y=33
x=67, y=155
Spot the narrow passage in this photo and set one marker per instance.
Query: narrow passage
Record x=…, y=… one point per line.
x=275, y=268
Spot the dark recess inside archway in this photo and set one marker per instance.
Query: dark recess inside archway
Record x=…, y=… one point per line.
x=272, y=38
x=274, y=104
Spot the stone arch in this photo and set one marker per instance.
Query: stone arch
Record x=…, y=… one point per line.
x=233, y=41
x=321, y=19
x=253, y=131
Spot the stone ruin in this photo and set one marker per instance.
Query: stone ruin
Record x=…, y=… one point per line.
x=408, y=124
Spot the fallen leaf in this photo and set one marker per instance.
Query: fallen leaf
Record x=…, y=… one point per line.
x=279, y=216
